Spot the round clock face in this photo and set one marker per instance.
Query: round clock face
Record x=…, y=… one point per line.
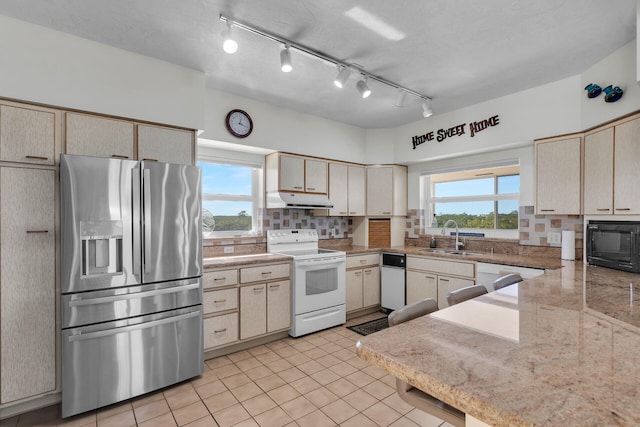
x=239, y=123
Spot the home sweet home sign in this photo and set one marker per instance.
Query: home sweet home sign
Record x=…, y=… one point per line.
x=458, y=130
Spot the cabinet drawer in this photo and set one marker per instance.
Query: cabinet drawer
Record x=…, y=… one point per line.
x=465, y=269
x=265, y=272
x=220, y=330
x=214, y=279
x=355, y=261
x=216, y=301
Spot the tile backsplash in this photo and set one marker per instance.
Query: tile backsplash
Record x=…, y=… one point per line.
x=534, y=229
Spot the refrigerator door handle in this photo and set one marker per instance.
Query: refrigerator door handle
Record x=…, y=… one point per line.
x=135, y=183
x=136, y=295
x=146, y=181
x=108, y=332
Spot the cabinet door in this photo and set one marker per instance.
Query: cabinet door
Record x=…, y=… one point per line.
x=253, y=310
x=447, y=284
x=421, y=285
x=627, y=170
x=357, y=191
x=291, y=173
x=165, y=144
x=315, y=176
x=27, y=280
x=558, y=177
x=354, y=290
x=220, y=330
x=278, y=305
x=98, y=136
x=371, y=286
x=598, y=172
x=26, y=135
x=338, y=192
x=379, y=190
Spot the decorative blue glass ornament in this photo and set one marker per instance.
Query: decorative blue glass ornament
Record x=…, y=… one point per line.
x=612, y=94
x=593, y=90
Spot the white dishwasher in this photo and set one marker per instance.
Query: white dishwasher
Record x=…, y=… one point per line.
x=393, y=280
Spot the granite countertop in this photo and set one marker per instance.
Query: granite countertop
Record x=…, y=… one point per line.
x=561, y=349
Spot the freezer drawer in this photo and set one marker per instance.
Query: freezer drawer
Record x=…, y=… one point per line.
x=87, y=308
x=106, y=363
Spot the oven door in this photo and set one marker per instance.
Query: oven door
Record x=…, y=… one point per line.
x=318, y=284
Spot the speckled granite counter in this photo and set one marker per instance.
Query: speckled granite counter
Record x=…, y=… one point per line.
x=240, y=260
x=562, y=349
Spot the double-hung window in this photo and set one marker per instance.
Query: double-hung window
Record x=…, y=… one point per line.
x=230, y=198
x=475, y=199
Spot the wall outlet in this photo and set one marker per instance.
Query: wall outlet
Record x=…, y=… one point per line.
x=554, y=238
x=228, y=249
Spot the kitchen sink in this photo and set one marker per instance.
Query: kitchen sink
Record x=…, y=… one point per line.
x=449, y=251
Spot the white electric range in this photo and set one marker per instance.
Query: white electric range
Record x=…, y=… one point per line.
x=318, y=280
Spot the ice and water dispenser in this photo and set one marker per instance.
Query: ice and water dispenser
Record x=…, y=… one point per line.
x=101, y=247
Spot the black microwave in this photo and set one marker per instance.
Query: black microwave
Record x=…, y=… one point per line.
x=614, y=244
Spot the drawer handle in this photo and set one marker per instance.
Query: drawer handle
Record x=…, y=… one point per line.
x=547, y=210
x=266, y=273
x=274, y=286
x=257, y=289
x=623, y=209
x=363, y=261
x=37, y=158
x=353, y=212
x=150, y=159
x=119, y=156
x=220, y=331
x=603, y=209
x=219, y=278
x=37, y=231
x=219, y=301
x=444, y=280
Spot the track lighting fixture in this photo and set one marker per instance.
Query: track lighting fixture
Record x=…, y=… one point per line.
x=342, y=77
x=344, y=69
x=363, y=88
x=285, y=60
x=426, y=108
x=228, y=43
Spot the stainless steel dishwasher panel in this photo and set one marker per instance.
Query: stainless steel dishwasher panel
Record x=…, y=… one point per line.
x=393, y=280
x=114, y=361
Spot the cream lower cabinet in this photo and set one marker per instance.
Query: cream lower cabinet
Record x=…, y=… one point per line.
x=220, y=312
x=363, y=281
x=27, y=283
x=436, y=277
x=253, y=317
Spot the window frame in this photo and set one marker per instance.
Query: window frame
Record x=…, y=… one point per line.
x=255, y=198
x=429, y=201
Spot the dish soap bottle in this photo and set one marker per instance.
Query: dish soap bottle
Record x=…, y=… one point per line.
x=434, y=222
x=432, y=242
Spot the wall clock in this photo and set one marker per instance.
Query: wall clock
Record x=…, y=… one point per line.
x=239, y=123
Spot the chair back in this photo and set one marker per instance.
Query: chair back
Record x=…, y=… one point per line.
x=413, y=310
x=506, y=280
x=463, y=294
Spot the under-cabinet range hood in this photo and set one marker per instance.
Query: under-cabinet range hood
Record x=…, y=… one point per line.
x=298, y=200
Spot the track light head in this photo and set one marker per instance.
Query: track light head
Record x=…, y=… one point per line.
x=342, y=77
x=228, y=43
x=426, y=108
x=363, y=87
x=400, y=98
x=285, y=60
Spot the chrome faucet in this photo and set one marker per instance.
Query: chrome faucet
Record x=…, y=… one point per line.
x=459, y=244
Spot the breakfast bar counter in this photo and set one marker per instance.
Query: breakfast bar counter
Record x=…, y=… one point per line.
x=562, y=349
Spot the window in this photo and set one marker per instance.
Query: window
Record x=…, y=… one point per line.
x=483, y=198
x=230, y=198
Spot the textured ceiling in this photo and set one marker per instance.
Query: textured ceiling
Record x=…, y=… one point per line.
x=457, y=52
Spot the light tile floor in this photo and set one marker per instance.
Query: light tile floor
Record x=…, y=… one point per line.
x=316, y=380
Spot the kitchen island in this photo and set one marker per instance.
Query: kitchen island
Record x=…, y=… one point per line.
x=561, y=349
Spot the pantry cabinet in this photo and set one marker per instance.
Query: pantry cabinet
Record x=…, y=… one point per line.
x=435, y=277
x=27, y=283
x=386, y=190
x=558, y=176
x=363, y=281
x=90, y=135
x=611, y=173
x=27, y=135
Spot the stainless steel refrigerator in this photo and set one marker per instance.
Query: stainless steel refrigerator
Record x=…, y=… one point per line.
x=131, y=287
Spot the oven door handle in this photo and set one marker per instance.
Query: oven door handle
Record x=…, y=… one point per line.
x=314, y=263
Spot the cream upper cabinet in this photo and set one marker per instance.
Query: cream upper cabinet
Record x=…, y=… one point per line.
x=99, y=136
x=27, y=283
x=166, y=145
x=598, y=172
x=357, y=189
x=338, y=189
x=286, y=172
x=27, y=135
x=558, y=176
x=387, y=190
x=626, y=168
